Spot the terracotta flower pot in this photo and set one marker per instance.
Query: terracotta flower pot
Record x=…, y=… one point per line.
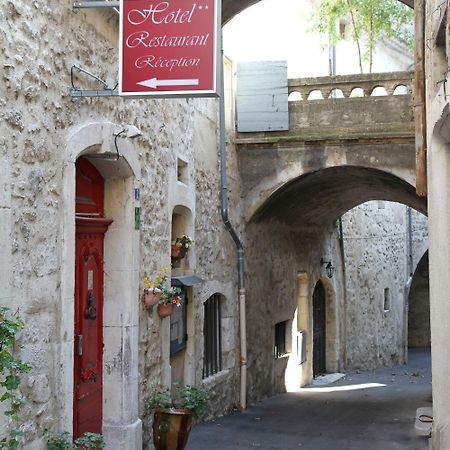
x=151, y=298
x=165, y=310
x=171, y=428
x=178, y=252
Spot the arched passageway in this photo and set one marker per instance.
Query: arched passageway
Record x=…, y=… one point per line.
x=318, y=198
x=289, y=240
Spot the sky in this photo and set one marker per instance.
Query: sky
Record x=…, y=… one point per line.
x=277, y=30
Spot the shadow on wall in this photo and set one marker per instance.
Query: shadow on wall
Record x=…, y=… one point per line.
x=419, y=332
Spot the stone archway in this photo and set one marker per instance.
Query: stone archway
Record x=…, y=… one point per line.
x=95, y=141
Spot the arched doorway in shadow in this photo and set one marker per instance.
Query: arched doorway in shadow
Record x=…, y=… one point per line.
x=419, y=332
x=319, y=330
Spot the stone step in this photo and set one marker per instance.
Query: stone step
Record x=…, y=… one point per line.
x=424, y=421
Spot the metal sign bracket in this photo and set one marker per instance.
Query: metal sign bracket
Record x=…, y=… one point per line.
x=77, y=92
x=96, y=4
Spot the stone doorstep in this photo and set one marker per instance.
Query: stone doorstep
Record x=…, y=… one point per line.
x=329, y=378
x=423, y=428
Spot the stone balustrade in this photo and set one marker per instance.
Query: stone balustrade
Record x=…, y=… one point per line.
x=344, y=86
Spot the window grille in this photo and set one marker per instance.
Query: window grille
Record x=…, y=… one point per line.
x=279, y=348
x=212, y=362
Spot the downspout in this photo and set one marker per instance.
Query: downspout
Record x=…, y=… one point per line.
x=410, y=243
x=410, y=266
x=235, y=237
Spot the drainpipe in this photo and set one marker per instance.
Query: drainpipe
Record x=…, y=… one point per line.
x=408, y=286
x=410, y=243
x=344, y=289
x=235, y=237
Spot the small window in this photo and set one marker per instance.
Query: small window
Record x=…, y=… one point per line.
x=182, y=171
x=387, y=299
x=212, y=335
x=178, y=335
x=280, y=349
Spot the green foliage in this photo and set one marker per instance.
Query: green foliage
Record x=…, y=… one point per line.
x=63, y=441
x=10, y=370
x=91, y=441
x=370, y=21
x=187, y=397
x=193, y=398
x=159, y=398
x=60, y=441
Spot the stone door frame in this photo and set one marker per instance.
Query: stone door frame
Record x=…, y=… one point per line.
x=121, y=423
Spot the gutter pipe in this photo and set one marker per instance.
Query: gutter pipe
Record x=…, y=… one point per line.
x=234, y=236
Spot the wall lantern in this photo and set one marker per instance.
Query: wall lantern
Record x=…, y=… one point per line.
x=130, y=131
x=329, y=268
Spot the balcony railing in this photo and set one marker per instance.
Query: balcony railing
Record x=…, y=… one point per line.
x=345, y=86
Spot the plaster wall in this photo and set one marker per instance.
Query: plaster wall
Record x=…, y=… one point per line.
x=41, y=42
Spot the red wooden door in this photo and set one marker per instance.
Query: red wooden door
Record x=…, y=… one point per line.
x=88, y=342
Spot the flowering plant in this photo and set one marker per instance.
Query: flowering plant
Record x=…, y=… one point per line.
x=170, y=295
x=160, y=285
x=183, y=241
x=160, y=280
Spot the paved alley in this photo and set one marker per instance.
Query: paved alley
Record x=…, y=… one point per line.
x=364, y=411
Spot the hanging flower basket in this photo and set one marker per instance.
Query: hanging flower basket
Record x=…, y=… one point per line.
x=171, y=428
x=165, y=310
x=151, y=298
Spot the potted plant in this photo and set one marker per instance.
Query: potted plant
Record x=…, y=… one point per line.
x=181, y=246
x=154, y=288
x=170, y=297
x=172, y=417
x=63, y=441
x=158, y=291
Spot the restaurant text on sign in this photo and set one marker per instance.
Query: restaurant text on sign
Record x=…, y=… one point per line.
x=168, y=48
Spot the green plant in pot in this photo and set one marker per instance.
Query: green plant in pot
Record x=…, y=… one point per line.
x=63, y=441
x=173, y=416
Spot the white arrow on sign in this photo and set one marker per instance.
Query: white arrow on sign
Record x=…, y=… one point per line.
x=154, y=82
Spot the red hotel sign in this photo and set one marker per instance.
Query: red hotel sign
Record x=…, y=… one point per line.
x=168, y=48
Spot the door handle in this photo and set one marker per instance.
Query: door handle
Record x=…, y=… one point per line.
x=91, y=310
x=79, y=338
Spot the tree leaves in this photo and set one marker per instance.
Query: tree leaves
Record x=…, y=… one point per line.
x=370, y=21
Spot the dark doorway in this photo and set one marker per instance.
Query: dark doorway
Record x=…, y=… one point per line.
x=319, y=330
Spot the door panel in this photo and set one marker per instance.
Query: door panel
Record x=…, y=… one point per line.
x=88, y=343
x=319, y=330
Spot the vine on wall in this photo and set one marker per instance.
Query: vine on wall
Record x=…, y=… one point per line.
x=10, y=370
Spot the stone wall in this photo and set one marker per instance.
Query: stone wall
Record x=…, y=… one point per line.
x=377, y=265
x=283, y=267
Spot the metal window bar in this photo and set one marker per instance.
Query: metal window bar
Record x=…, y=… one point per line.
x=212, y=337
x=279, y=348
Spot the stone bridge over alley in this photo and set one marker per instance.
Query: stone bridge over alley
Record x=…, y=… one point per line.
x=350, y=139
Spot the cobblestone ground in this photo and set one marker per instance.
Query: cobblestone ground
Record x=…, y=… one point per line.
x=373, y=410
